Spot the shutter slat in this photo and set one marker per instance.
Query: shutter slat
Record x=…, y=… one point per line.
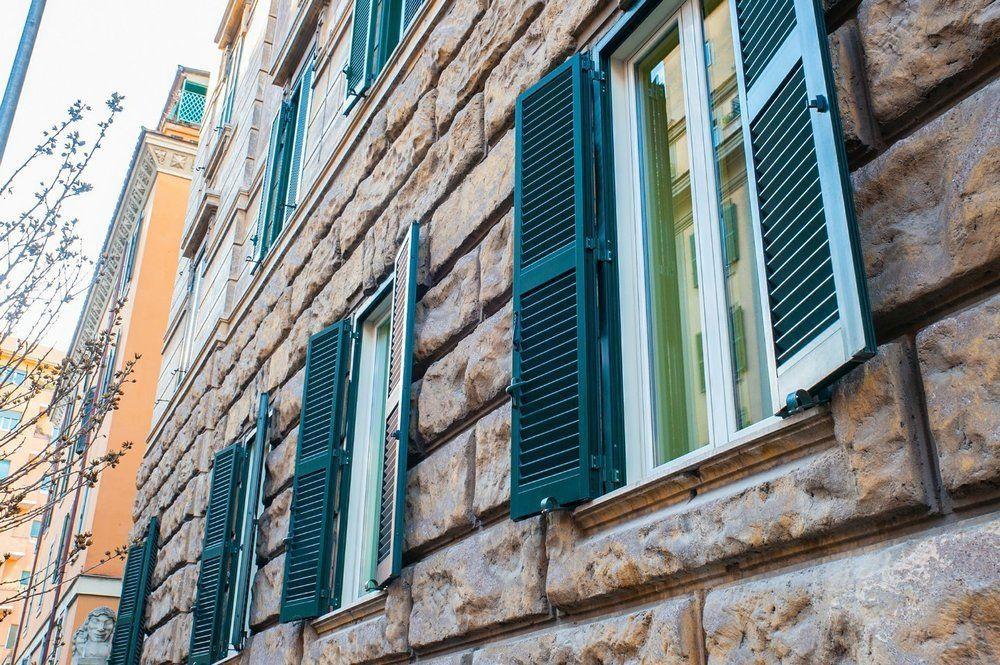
x=553, y=427
x=129, y=633
x=214, y=592
x=818, y=318
x=392, y=493
x=358, y=64
x=298, y=143
x=319, y=474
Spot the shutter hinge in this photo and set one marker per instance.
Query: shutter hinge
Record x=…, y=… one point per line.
x=600, y=76
x=595, y=462
x=800, y=400
x=604, y=252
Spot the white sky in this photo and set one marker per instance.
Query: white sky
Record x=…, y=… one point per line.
x=85, y=50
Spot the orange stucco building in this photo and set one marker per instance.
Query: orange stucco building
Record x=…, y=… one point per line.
x=142, y=245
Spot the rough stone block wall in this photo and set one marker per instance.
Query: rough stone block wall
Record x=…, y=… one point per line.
x=861, y=532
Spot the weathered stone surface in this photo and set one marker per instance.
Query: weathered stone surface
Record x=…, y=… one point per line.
x=287, y=403
x=492, y=461
x=175, y=594
x=439, y=493
x=190, y=503
x=876, y=417
x=860, y=130
x=496, y=263
x=664, y=635
x=266, y=595
x=960, y=365
x=449, y=308
x=932, y=600
x=928, y=208
x=471, y=375
x=168, y=644
x=548, y=41
x=182, y=549
x=913, y=47
x=465, y=214
x=492, y=37
x=280, y=465
x=277, y=645
x=493, y=577
x=273, y=525
x=863, y=481
x=380, y=637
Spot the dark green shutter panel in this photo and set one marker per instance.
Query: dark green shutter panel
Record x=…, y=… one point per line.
x=213, y=599
x=249, y=527
x=819, y=314
x=555, y=402
x=318, y=471
x=392, y=495
x=361, y=37
x=259, y=239
x=410, y=8
x=126, y=643
x=301, y=121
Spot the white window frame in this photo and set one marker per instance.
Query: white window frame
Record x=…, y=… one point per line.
x=366, y=452
x=637, y=389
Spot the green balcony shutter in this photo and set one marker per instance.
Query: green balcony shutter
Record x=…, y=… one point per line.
x=410, y=9
x=266, y=194
x=301, y=120
x=309, y=552
x=213, y=598
x=555, y=425
x=820, y=320
x=361, y=45
x=389, y=550
x=126, y=643
x=249, y=528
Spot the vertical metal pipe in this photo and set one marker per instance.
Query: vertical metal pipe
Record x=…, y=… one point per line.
x=19, y=70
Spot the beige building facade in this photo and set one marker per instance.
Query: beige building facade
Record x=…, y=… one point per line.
x=510, y=331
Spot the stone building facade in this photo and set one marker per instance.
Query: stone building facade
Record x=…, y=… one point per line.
x=863, y=529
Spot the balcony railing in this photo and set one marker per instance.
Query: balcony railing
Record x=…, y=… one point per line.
x=190, y=104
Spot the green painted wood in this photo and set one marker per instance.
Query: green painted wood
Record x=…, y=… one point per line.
x=308, y=585
x=392, y=494
x=248, y=528
x=819, y=316
x=259, y=238
x=301, y=123
x=555, y=423
x=127, y=640
x=361, y=43
x=410, y=9
x=214, y=593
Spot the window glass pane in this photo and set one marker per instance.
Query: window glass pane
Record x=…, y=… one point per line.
x=681, y=417
x=746, y=330
x=9, y=419
x=380, y=375
x=4, y=468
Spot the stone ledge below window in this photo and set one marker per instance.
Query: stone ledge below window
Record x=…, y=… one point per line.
x=356, y=612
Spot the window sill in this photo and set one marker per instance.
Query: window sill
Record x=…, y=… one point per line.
x=228, y=660
x=778, y=442
x=360, y=609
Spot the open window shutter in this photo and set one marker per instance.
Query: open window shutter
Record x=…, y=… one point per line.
x=389, y=549
x=213, y=599
x=248, y=540
x=301, y=121
x=126, y=643
x=410, y=8
x=820, y=319
x=318, y=473
x=555, y=425
x=361, y=36
x=265, y=196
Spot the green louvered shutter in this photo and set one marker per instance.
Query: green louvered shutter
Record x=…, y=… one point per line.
x=361, y=40
x=392, y=491
x=266, y=194
x=126, y=643
x=820, y=320
x=249, y=527
x=308, y=585
x=213, y=599
x=299, y=139
x=555, y=425
x=410, y=9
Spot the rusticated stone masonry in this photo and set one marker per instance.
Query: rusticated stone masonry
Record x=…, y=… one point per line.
x=865, y=531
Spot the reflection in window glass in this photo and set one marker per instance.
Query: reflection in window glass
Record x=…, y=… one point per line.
x=746, y=330
x=681, y=416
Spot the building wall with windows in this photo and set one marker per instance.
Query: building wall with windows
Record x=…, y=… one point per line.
x=466, y=459
x=18, y=544
x=142, y=250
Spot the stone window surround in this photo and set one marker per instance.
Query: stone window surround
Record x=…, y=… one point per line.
x=356, y=612
x=382, y=86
